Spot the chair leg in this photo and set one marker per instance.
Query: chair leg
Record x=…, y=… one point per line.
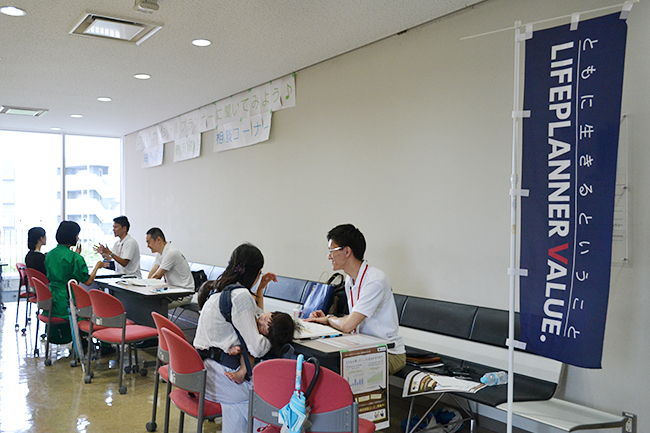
x=38, y=322
x=89, y=374
x=48, y=329
x=18, y=309
x=122, y=388
x=181, y=421
x=28, y=311
x=199, y=419
x=167, y=405
x=151, y=425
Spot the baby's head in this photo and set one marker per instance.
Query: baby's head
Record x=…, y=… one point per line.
x=278, y=327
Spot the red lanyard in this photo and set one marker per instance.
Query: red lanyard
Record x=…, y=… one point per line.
x=359, y=291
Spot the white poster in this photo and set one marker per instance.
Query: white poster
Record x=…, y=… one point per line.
x=153, y=156
x=167, y=130
x=187, y=147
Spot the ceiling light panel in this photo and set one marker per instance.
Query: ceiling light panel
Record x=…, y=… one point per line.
x=22, y=111
x=92, y=25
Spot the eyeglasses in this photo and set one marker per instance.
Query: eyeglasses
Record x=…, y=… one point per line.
x=330, y=251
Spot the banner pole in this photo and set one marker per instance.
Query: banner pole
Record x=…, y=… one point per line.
x=513, y=222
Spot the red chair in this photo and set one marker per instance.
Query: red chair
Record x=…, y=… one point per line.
x=109, y=312
x=162, y=370
x=188, y=374
x=84, y=310
x=29, y=295
x=44, y=303
x=31, y=274
x=333, y=408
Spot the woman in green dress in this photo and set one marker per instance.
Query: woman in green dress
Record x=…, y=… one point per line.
x=63, y=264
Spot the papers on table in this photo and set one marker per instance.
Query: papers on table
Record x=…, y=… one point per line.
x=353, y=341
x=146, y=282
x=420, y=382
x=313, y=330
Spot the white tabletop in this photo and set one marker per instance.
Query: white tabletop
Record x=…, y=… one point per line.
x=149, y=290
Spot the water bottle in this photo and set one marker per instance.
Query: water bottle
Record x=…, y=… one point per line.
x=496, y=378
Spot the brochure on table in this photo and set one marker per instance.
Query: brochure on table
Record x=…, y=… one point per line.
x=421, y=382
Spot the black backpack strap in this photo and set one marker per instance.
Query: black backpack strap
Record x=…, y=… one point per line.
x=225, y=306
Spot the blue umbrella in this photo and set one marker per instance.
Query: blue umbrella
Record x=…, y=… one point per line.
x=293, y=415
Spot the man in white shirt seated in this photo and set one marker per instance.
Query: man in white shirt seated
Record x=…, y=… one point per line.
x=370, y=297
x=171, y=264
x=125, y=252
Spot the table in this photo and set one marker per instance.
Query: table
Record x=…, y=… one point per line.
x=139, y=302
x=329, y=354
x=363, y=361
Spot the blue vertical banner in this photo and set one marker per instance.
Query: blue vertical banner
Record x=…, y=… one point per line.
x=573, y=86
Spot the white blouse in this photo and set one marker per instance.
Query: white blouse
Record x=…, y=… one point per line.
x=214, y=331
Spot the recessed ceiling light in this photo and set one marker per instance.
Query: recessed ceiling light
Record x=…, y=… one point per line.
x=201, y=42
x=76, y=116
x=55, y=128
x=12, y=11
x=142, y=76
x=104, y=99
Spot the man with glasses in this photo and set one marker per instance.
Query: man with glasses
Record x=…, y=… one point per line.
x=370, y=297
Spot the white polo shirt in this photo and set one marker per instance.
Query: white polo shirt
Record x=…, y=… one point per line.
x=177, y=270
x=128, y=249
x=372, y=296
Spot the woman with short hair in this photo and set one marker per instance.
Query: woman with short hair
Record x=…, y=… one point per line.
x=63, y=264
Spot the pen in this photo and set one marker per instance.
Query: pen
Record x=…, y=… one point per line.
x=330, y=336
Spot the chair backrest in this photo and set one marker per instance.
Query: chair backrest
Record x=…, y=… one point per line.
x=23, y=275
x=163, y=322
x=43, y=294
x=81, y=300
x=186, y=368
x=105, y=308
x=33, y=273
x=330, y=398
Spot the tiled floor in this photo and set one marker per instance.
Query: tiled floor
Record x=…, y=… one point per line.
x=35, y=398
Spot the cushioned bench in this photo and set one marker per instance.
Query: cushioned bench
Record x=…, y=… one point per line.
x=472, y=339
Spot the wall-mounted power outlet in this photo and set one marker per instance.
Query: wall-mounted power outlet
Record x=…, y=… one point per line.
x=630, y=423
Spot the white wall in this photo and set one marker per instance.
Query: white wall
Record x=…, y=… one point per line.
x=409, y=139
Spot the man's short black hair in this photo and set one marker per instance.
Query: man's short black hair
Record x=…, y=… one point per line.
x=67, y=233
x=123, y=221
x=347, y=235
x=156, y=233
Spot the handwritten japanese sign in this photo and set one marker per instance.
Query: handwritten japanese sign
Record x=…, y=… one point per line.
x=187, y=148
x=573, y=87
x=153, y=156
x=239, y=120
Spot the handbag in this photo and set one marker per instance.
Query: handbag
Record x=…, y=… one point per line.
x=339, y=305
x=199, y=278
x=319, y=297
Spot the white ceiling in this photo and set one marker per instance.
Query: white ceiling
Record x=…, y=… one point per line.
x=253, y=41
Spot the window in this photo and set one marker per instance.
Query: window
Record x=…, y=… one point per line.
x=30, y=187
